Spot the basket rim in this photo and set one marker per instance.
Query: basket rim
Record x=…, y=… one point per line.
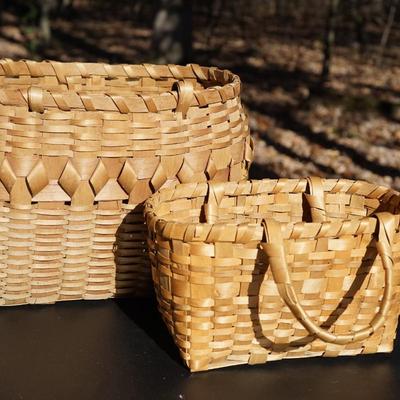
x=236, y=232
x=123, y=101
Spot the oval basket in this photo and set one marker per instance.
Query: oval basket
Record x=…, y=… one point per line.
x=82, y=145
x=259, y=271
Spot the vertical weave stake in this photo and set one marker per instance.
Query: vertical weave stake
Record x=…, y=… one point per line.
x=82, y=146
x=241, y=278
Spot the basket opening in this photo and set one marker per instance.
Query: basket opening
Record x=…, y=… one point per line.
x=283, y=206
x=96, y=80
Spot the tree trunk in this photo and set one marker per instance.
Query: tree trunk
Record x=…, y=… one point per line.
x=46, y=6
x=329, y=39
x=358, y=18
x=280, y=8
x=387, y=29
x=65, y=6
x=172, y=32
x=216, y=9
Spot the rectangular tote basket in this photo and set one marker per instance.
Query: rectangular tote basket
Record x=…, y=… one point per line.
x=82, y=145
x=258, y=281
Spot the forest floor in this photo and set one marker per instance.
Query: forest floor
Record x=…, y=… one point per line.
x=348, y=128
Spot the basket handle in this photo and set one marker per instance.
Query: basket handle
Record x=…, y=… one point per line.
x=214, y=196
x=185, y=92
x=35, y=99
x=315, y=199
x=274, y=249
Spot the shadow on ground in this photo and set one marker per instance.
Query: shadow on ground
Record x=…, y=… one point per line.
x=144, y=313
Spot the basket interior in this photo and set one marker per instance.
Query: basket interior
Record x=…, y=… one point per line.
x=283, y=205
x=107, y=85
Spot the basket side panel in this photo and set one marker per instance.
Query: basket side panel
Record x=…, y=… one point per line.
x=222, y=306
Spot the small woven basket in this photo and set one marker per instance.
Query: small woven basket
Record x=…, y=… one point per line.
x=82, y=146
x=257, y=281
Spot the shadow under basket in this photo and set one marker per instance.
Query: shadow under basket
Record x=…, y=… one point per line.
x=257, y=271
x=82, y=146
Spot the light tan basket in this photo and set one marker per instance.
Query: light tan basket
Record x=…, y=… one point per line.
x=258, y=283
x=82, y=146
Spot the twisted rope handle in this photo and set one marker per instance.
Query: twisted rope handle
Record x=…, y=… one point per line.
x=275, y=251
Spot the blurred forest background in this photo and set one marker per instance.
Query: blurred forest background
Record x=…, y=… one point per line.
x=321, y=78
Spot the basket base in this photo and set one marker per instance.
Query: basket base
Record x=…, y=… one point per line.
x=384, y=349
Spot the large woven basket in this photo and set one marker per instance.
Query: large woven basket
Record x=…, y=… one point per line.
x=259, y=282
x=82, y=146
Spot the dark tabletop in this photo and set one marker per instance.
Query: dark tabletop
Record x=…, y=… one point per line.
x=121, y=350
